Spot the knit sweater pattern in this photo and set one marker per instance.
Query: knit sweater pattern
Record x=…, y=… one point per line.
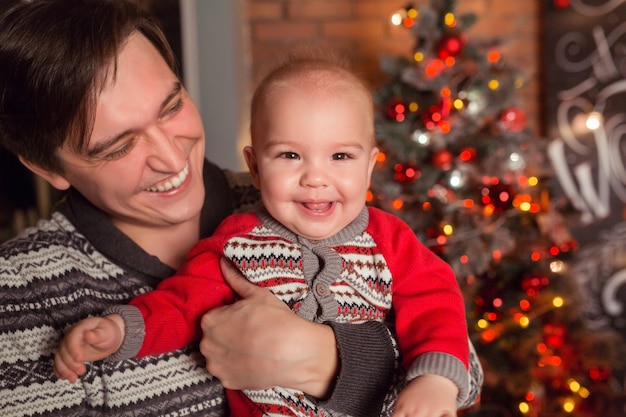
x=52, y=276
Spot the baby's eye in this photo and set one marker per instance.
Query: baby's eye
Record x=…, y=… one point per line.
x=289, y=155
x=341, y=156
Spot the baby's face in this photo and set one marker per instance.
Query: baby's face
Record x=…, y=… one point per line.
x=314, y=162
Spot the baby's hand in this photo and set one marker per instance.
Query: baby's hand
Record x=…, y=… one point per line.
x=427, y=396
x=91, y=339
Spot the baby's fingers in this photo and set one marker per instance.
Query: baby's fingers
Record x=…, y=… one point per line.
x=65, y=367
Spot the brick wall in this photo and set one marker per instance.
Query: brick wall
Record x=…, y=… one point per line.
x=362, y=30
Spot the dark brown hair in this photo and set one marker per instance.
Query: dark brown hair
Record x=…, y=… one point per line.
x=55, y=58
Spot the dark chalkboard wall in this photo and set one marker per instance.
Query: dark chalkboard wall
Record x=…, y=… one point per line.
x=584, y=71
x=584, y=68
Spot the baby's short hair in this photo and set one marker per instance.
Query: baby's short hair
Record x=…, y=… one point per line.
x=313, y=70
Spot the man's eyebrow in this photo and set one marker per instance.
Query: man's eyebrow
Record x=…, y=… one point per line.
x=103, y=146
x=174, y=92
x=106, y=144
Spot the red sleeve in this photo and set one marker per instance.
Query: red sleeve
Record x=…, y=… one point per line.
x=172, y=312
x=427, y=301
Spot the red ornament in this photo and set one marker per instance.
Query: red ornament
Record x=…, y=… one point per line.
x=437, y=114
x=467, y=154
x=554, y=335
x=513, y=119
x=406, y=173
x=489, y=303
x=560, y=4
x=396, y=109
x=499, y=195
x=449, y=45
x=443, y=159
x=599, y=373
x=534, y=283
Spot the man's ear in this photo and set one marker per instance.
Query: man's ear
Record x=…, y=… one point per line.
x=56, y=180
x=250, y=156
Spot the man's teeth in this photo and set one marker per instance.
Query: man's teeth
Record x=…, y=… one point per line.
x=172, y=183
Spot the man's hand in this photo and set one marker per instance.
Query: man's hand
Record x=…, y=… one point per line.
x=258, y=342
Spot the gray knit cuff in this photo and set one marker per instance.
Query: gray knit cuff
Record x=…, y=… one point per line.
x=443, y=364
x=134, y=333
x=367, y=363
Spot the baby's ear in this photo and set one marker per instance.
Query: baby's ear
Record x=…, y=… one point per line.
x=55, y=179
x=372, y=161
x=253, y=167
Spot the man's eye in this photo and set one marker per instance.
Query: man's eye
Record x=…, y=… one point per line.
x=118, y=153
x=176, y=106
x=289, y=155
x=121, y=151
x=341, y=156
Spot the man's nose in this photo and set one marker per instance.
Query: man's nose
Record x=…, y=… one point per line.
x=167, y=152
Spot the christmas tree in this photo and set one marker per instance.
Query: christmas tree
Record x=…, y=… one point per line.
x=458, y=164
